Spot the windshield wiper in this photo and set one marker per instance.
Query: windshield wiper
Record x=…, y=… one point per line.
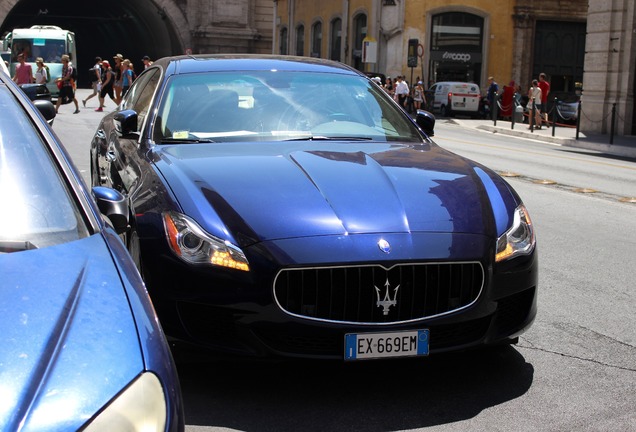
x=8, y=246
x=333, y=138
x=186, y=140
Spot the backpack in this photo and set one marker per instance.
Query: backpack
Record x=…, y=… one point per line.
x=48, y=74
x=94, y=75
x=73, y=73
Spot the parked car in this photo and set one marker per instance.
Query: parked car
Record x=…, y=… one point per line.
x=451, y=98
x=287, y=207
x=80, y=344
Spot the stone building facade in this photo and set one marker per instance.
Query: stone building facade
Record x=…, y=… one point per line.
x=583, y=45
x=576, y=42
x=230, y=26
x=156, y=27
x=609, y=81
x=463, y=40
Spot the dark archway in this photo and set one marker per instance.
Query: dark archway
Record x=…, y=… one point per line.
x=132, y=28
x=560, y=53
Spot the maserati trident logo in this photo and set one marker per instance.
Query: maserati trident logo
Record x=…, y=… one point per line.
x=384, y=246
x=387, y=301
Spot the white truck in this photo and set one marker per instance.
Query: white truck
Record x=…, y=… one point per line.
x=46, y=41
x=455, y=98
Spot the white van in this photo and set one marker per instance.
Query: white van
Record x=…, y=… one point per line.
x=455, y=98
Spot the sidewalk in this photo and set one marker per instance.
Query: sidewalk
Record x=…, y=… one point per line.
x=623, y=146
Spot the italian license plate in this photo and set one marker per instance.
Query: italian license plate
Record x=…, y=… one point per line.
x=361, y=346
x=459, y=104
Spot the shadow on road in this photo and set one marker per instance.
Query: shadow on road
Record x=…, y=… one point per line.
x=334, y=396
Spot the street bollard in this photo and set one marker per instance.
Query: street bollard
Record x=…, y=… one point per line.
x=578, y=119
x=494, y=108
x=612, y=125
x=514, y=111
x=554, y=115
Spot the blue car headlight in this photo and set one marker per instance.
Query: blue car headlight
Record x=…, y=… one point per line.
x=193, y=245
x=518, y=239
x=140, y=407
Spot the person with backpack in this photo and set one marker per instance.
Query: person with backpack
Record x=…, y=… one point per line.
x=41, y=74
x=95, y=75
x=66, y=85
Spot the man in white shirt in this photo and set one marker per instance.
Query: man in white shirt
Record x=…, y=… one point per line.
x=402, y=91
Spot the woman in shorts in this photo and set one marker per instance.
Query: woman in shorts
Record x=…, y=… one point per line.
x=108, y=79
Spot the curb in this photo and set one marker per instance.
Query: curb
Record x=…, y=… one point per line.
x=625, y=147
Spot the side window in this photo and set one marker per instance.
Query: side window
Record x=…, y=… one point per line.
x=140, y=94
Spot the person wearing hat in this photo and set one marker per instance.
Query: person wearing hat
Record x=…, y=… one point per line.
x=119, y=70
x=41, y=74
x=67, y=86
x=146, y=61
x=108, y=79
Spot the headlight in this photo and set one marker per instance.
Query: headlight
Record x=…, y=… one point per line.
x=193, y=245
x=519, y=239
x=140, y=407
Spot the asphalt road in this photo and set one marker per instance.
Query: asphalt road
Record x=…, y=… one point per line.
x=575, y=370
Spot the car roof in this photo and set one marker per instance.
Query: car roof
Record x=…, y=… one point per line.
x=249, y=62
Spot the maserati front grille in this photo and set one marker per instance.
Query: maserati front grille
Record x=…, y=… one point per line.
x=375, y=295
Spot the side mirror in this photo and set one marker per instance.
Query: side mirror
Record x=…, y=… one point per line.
x=46, y=108
x=426, y=121
x=126, y=122
x=114, y=206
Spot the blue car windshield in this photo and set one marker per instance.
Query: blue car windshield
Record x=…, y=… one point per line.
x=37, y=209
x=277, y=106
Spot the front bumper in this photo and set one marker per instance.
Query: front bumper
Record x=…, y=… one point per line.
x=238, y=313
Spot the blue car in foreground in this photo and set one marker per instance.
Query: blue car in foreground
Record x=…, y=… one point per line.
x=80, y=344
x=288, y=207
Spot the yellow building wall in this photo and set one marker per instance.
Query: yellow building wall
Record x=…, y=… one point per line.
x=498, y=31
x=308, y=12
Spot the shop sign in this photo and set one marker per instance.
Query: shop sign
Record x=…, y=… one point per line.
x=459, y=57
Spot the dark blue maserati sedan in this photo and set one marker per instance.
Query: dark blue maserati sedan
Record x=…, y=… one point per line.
x=287, y=207
x=80, y=344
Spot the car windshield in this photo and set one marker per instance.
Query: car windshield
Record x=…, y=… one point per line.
x=37, y=209
x=277, y=106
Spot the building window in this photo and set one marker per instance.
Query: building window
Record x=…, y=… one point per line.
x=456, y=47
x=283, y=41
x=462, y=31
x=300, y=40
x=336, y=39
x=360, y=32
x=316, y=40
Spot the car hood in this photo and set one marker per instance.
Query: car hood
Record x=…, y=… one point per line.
x=269, y=191
x=68, y=340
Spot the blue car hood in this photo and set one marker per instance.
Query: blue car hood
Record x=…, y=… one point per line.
x=296, y=189
x=68, y=340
